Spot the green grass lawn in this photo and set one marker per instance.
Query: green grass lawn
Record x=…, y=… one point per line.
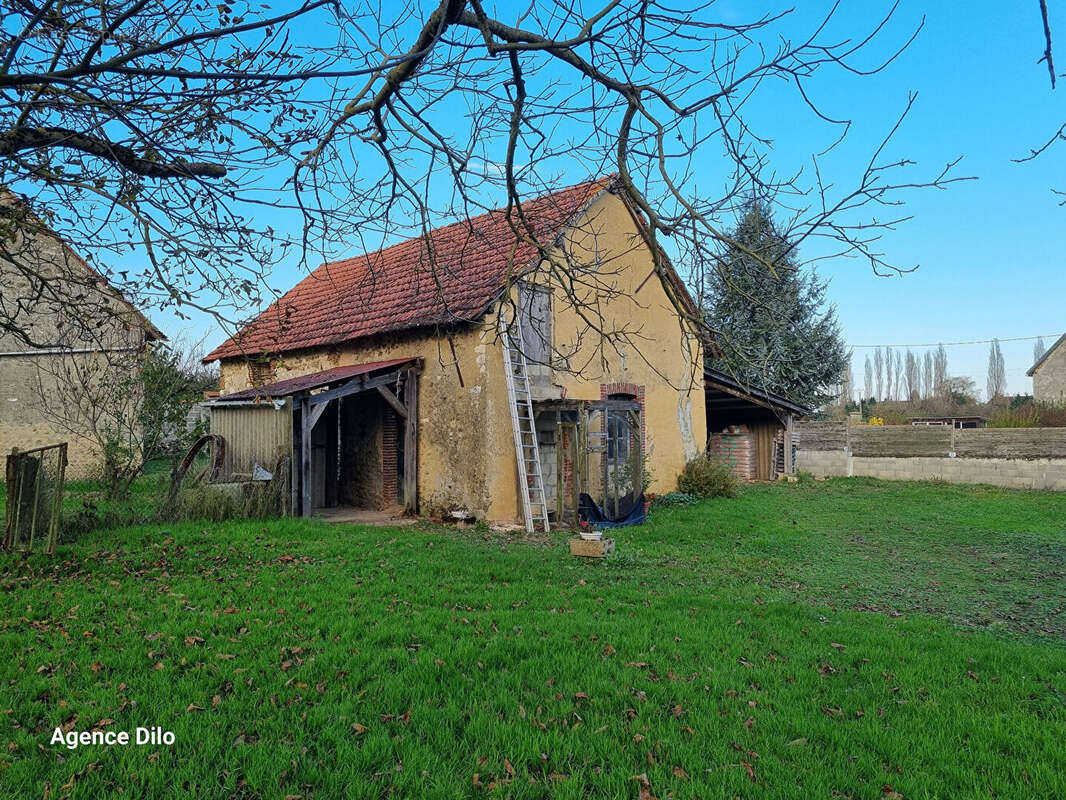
x=851, y=638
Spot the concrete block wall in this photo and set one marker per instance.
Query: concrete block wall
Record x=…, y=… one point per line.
x=1042, y=473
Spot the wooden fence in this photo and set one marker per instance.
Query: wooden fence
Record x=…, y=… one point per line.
x=915, y=441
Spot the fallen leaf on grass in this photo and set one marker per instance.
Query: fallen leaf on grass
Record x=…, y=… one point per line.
x=645, y=787
x=194, y=707
x=358, y=729
x=680, y=773
x=750, y=770
x=888, y=793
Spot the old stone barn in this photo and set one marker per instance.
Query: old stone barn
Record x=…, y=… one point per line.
x=472, y=372
x=71, y=332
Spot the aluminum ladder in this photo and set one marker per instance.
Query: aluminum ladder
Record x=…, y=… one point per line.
x=520, y=403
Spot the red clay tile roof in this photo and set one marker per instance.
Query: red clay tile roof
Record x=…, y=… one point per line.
x=312, y=381
x=401, y=287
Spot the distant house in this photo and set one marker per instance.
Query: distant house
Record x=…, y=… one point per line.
x=387, y=380
x=951, y=422
x=69, y=320
x=1049, y=374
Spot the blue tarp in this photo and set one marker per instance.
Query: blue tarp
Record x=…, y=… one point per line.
x=594, y=516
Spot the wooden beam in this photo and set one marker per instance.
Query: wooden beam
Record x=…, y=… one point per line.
x=317, y=411
x=410, y=441
x=354, y=386
x=305, y=459
x=392, y=400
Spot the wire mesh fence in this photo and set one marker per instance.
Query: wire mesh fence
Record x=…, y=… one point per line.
x=34, y=498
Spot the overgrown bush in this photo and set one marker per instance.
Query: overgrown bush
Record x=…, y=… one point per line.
x=1020, y=417
x=707, y=476
x=152, y=503
x=1052, y=416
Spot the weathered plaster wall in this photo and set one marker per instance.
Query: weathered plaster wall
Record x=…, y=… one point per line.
x=1049, y=380
x=652, y=347
x=458, y=420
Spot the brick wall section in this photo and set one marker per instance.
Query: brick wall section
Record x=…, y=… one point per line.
x=735, y=449
x=607, y=389
x=390, y=433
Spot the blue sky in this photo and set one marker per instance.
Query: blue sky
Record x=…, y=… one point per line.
x=989, y=252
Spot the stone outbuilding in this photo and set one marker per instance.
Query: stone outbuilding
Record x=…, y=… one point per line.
x=1049, y=374
x=388, y=378
x=71, y=324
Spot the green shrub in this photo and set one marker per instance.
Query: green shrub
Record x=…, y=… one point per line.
x=707, y=476
x=674, y=499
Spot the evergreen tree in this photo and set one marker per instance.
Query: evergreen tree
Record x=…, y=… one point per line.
x=774, y=326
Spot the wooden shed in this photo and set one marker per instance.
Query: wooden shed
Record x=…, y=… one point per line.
x=750, y=429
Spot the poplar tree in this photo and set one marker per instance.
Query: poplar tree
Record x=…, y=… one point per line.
x=997, y=372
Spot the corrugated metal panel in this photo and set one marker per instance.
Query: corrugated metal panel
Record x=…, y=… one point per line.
x=254, y=434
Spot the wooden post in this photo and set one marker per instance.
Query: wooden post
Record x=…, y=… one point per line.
x=294, y=465
x=305, y=458
x=410, y=442
x=11, y=479
x=57, y=502
x=36, y=499
x=788, y=445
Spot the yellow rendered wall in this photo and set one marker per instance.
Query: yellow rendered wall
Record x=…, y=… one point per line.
x=458, y=421
x=647, y=343
x=466, y=447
